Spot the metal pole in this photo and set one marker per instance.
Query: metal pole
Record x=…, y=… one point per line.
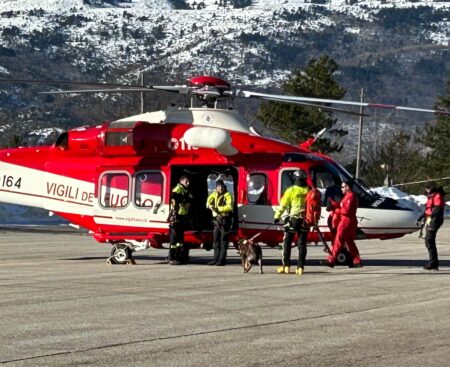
x=358, y=154
x=141, y=79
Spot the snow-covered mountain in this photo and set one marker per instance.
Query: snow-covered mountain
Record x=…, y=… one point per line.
x=396, y=50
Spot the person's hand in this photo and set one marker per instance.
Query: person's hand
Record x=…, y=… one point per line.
x=276, y=220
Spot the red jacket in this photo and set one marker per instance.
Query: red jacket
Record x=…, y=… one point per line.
x=313, y=207
x=348, y=206
x=435, y=199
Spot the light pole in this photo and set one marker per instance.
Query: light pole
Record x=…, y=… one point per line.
x=358, y=154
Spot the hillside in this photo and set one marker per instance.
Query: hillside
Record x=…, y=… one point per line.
x=398, y=51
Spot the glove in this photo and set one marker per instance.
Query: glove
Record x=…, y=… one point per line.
x=276, y=220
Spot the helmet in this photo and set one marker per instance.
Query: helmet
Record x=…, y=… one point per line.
x=300, y=178
x=300, y=174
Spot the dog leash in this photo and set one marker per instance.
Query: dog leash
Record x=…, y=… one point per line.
x=258, y=234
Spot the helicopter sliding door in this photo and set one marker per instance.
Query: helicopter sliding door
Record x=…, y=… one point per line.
x=202, y=183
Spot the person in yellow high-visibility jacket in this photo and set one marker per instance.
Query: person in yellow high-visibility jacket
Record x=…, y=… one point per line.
x=220, y=202
x=293, y=201
x=178, y=219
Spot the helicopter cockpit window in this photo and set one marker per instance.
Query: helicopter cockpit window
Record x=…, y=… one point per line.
x=114, y=190
x=328, y=178
x=227, y=179
x=257, y=189
x=119, y=138
x=148, y=189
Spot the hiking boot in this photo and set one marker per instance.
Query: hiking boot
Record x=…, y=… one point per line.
x=431, y=267
x=283, y=270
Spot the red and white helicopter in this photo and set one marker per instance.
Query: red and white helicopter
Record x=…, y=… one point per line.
x=115, y=179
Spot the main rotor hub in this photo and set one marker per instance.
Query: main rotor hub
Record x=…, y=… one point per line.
x=210, y=81
x=210, y=88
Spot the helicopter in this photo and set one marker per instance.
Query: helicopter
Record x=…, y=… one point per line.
x=115, y=179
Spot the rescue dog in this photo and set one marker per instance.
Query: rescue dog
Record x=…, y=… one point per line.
x=251, y=253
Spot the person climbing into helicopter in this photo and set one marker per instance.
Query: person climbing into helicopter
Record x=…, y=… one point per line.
x=294, y=202
x=433, y=217
x=178, y=219
x=346, y=226
x=220, y=202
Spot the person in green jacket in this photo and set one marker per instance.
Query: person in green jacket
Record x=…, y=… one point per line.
x=180, y=203
x=293, y=202
x=220, y=202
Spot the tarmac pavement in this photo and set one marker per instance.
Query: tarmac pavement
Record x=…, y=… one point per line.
x=61, y=304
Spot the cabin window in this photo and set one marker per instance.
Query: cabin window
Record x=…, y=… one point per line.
x=287, y=179
x=149, y=189
x=227, y=179
x=257, y=189
x=114, y=190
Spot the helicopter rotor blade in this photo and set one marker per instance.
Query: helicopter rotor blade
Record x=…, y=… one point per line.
x=293, y=99
x=93, y=91
x=119, y=88
x=56, y=82
x=318, y=106
x=173, y=89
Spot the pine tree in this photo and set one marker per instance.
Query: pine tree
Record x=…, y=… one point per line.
x=397, y=157
x=437, y=139
x=295, y=123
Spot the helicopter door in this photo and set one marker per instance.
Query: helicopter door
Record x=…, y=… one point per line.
x=257, y=212
x=202, y=183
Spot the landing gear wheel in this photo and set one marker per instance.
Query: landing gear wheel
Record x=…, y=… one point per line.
x=120, y=254
x=344, y=258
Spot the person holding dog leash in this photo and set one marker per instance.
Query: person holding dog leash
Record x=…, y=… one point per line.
x=294, y=202
x=220, y=202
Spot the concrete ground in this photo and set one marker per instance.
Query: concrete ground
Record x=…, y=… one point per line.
x=61, y=304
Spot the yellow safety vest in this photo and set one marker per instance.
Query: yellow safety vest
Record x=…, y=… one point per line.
x=182, y=198
x=222, y=202
x=293, y=201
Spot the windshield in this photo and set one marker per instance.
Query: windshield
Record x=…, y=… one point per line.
x=327, y=174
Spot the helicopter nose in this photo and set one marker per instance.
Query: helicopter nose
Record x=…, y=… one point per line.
x=406, y=216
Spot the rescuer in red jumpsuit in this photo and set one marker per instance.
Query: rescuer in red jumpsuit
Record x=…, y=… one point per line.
x=346, y=227
x=434, y=217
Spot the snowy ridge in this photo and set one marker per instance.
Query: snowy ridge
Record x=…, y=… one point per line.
x=197, y=40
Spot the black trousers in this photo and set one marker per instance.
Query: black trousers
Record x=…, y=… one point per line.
x=178, y=250
x=430, y=244
x=220, y=239
x=302, y=233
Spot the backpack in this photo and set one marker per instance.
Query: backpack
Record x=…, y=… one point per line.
x=313, y=207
